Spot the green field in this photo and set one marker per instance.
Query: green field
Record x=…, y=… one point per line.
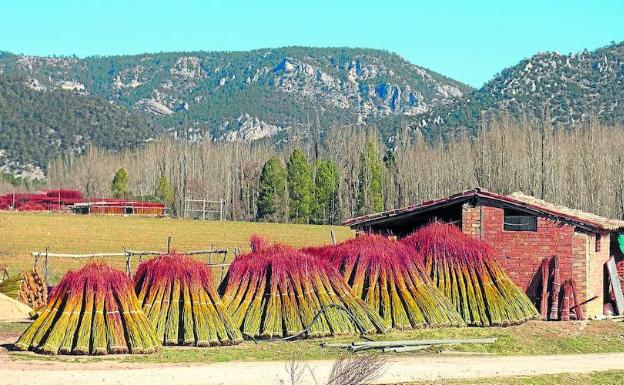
x=22, y=233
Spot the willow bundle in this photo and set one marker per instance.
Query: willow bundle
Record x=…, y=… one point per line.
x=464, y=270
x=556, y=288
x=544, y=282
x=28, y=287
x=566, y=300
x=277, y=291
x=179, y=298
x=384, y=274
x=92, y=311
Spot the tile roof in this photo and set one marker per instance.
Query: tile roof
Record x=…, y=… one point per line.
x=517, y=199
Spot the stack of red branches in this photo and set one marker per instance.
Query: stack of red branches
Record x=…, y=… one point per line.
x=92, y=311
x=277, y=291
x=385, y=274
x=179, y=298
x=463, y=268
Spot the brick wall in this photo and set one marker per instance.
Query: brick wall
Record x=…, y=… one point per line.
x=521, y=252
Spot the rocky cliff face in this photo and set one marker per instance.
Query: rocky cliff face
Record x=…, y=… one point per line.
x=266, y=94
x=280, y=87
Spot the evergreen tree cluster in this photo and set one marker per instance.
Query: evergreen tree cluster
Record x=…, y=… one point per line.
x=301, y=192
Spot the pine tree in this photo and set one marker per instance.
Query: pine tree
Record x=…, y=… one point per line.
x=300, y=187
x=326, y=182
x=119, y=186
x=370, y=194
x=164, y=192
x=272, y=194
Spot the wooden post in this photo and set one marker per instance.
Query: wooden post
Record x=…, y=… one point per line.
x=169, y=245
x=127, y=255
x=333, y=237
x=556, y=286
x=220, y=209
x=616, y=286
x=222, y=267
x=45, y=266
x=544, y=297
x=204, y=210
x=36, y=260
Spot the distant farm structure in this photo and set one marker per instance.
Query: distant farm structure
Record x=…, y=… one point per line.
x=74, y=201
x=119, y=207
x=203, y=209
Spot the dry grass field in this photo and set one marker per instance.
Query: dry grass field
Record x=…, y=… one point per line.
x=22, y=233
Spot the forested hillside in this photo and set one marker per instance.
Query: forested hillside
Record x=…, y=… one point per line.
x=281, y=97
x=232, y=96
x=36, y=127
x=566, y=89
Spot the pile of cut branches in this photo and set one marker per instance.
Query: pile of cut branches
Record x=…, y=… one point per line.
x=28, y=287
x=277, y=291
x=92, y=311
x=179, y=298
x=385, y=274
x=464, y=269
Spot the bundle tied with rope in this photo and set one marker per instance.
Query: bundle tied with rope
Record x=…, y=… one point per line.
x=178, y=296
x=92, y=311
x=276, y=291
x=464, y=269
x=385, y=275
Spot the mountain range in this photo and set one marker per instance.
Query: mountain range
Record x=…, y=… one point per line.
x=51, y=105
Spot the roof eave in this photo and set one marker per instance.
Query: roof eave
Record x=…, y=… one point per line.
x=381, y=217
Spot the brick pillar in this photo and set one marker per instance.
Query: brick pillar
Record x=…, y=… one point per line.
x=588, y=268
x=580, y=249
x=471, y=220
x=595, y=272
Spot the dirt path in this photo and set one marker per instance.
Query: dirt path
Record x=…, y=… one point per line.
x=403, y=369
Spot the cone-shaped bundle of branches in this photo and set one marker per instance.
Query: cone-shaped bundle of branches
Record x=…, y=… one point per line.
x=463, y=268
x=385, y=274
x=92, y=311
x=28, y=287
x=277, y=291
x=180, y=300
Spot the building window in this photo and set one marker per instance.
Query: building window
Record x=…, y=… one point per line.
x=519, y=221
x=598, y=239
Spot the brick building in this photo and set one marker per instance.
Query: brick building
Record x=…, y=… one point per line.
x=522, y=230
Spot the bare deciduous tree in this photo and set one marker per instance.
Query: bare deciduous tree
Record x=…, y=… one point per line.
x=581, y=168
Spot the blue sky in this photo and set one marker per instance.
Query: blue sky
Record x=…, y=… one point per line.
x=467, y=40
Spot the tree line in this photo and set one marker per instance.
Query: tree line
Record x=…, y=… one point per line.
x=349, y=171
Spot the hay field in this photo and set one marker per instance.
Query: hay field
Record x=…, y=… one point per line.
x=22, y=233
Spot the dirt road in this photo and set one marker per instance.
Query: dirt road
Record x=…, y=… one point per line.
x=403, y=369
